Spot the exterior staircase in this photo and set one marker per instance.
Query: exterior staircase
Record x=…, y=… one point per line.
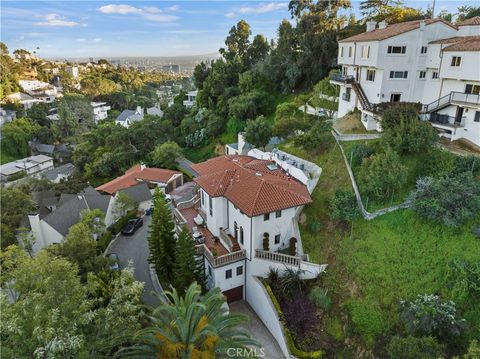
x=452, y=98
x=366, y=105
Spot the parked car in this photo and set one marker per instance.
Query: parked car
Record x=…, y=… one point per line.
x=113, y=261
x=132, y=226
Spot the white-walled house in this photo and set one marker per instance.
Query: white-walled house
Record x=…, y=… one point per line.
x=100, y=110
x=30, y=166
x=127, y=117
x=40, y=90
x=191, y=99
x=415, y=61
x=240, y=199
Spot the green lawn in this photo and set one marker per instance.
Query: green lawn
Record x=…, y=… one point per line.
x=393, y=257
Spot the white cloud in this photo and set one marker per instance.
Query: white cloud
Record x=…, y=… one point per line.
x=172, y=8
x=148, y=12
x=97, y=39
x=81, y=40
x=56, y=20
x=259, y=9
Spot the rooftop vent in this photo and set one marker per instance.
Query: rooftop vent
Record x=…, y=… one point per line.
x=272, y=167
x=258, y=174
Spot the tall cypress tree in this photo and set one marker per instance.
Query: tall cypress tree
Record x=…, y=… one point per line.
x=161, y=240
x=188, y=266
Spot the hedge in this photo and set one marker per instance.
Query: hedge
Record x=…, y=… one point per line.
x=292, y=348
x=118, y=225
x=104, y=241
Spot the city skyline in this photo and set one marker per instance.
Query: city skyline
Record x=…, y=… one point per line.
x=143, y=28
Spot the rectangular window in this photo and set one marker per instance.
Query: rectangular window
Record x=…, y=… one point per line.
x=398, y=74
x=210, y=205
x=278, y=214
x=203, y=199
x=344, y=70
x=472, y=89
x=395, y=97
x=228, y=274
x=370, y=75
x=266, y=216
x=209, y=270
x=365, y=52
x=240, y=270
x=341, y=51
x=277, y=239
x=422, y=74
x=456, y=60
x=350, y=50
x=396, y=49
x=477, y=117
x=435, y=75
x=423, y=50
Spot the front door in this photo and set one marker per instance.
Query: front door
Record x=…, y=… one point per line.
x=459, y=115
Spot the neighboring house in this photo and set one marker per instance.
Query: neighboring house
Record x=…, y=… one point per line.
x=240, y=199
x=54, y=227
x=26, y=100
x=191, y=99
x=29, y=166
x=242, y=147
x=154, y=111
x=59, y=152
x=72, y=70
x=6, y=116
x=59, y=173
x=40, y=90
x=127, y=117
x=167, y=180
x=100, y=110
x=140, y=193
x=429, y=61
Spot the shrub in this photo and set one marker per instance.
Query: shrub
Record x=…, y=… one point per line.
x=437, y=163
x=292, y=246
x=451, y=200
x=391, y=112
x=266, y=241
x=104, y=241
x=344, y=206
x=273, y=277
x=414, y=348
x=358, y=153
x=467, y=164
x=428, y=315
x=317, y=138
x=465, y=279
x=367, y=319
x=17, y=176
x=300, y=315
x=290, y=281
x=320, y=298
x=382, y=174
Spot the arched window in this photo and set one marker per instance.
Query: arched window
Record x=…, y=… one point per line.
x=241, y=235
x=235, y=230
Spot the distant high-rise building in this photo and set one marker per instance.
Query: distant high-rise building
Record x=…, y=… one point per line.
x=171, y=68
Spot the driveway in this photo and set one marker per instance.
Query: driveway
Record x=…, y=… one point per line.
x=135, y=249
x=258, y=330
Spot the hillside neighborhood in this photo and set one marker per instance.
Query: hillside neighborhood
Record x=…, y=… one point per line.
x=314, y=195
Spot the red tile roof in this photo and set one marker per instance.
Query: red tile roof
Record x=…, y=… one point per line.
x=392, y=30
x=472, y=21
x=250, y=185
x=135, y=175
x=470, y=43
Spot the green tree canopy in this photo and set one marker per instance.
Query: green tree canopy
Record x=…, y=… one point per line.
x=165, y=155
x=258, y=132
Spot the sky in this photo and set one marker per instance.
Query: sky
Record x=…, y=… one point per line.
x=143, y=28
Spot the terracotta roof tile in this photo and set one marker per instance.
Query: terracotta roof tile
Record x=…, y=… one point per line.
x=250, y=185
x=135, y=175
x=472, y=21
x=392, y=30
x=470, y=44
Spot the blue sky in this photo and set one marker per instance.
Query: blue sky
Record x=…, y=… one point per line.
x=142, y=28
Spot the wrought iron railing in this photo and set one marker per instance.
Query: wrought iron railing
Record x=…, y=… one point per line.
x=342, y=78
x=457, y=97
x=447, y=120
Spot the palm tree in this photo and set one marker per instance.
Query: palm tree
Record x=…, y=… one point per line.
x=191, y=327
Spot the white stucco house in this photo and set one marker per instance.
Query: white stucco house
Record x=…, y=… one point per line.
x=40, y=90
x=428, y=61
x=191, y=99
x=241, y=200
x=127, y=117
x=100, y=110
x=29, y=166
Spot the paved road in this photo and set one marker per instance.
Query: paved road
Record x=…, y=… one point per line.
x=186, y=165
x=135, y=248
x=258, y=330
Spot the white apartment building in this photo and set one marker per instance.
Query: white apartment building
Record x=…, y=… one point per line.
x=429, y=61
x=100, y=110
x=242, y=199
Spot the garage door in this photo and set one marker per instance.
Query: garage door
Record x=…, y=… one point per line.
x=234, y=294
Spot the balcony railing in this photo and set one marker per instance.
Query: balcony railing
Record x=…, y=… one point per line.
x=225, y=239
x=446, y=120
x=223, y=259
x=455, y=97
x=348, y=79
x=188, y=204
x=278, y=257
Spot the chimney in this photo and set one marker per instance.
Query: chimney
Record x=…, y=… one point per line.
x=142, y=166
x=422, y=25
x=371, y=25
x=382, y=24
